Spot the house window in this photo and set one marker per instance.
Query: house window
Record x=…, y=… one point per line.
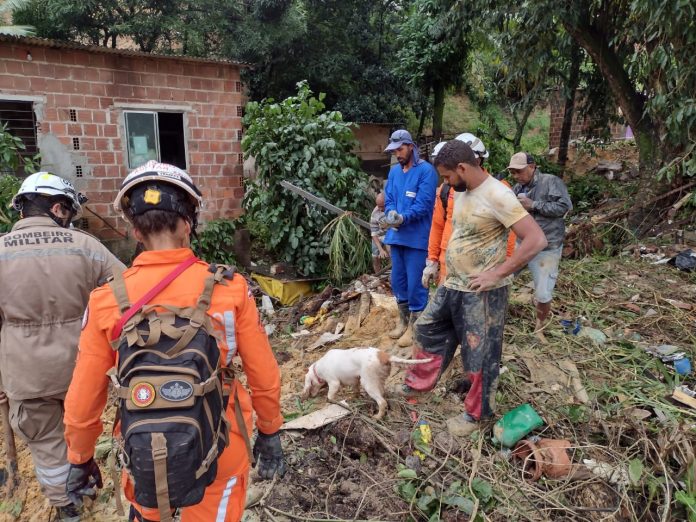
x=155, y=136
x=18, y=116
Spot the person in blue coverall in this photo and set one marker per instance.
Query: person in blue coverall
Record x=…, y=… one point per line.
x=410, y=199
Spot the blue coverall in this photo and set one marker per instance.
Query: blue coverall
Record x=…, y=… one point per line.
x=411, y=194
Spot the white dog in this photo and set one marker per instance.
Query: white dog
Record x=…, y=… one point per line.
x=368, y=367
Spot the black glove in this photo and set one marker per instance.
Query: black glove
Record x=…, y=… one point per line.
x=269, y=454
x=82, y=479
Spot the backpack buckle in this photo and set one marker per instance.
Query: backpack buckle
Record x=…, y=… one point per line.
x=159, y=453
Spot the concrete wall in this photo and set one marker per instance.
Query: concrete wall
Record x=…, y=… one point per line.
x=98, y=88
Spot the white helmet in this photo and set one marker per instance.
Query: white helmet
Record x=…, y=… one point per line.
x=47, y=184
x=159, y=179
x=437, y=148
x=476, y=144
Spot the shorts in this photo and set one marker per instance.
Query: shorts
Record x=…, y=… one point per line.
x=544, y=269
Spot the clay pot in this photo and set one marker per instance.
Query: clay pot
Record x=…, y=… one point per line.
x=548, y=457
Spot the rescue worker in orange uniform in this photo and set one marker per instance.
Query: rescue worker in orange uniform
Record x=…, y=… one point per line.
x=165, y=233
x=441, y=228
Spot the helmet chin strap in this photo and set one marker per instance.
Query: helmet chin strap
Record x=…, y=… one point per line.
x=46, y=205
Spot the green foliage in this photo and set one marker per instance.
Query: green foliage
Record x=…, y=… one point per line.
x=12, y=162
x=588, y=190
x=12, y=159
x=215, y=243
x=350, y=251
x=687, y=496
x=9, y=185
x=6, y=8
x=298, y=141
x=432, y=503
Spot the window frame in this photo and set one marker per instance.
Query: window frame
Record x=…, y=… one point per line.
x=127, y=135
x=156, y=109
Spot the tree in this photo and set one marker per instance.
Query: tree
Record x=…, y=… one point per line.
x=643, y=51
x=153, y=25
x=6, y=9
x=432, y=50
x=343, y=48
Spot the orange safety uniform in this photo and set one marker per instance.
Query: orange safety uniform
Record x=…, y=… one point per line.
x=236, y=317
x=441, y=230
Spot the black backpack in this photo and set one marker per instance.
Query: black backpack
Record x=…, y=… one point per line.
x=444, y=197
x=171, y=398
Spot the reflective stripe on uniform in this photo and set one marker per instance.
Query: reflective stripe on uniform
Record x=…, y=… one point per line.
x=48, y=252
x=222, y=508
x=230, y=336
x=52, y=476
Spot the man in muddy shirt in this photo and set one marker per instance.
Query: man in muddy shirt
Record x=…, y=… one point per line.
x=47, y=271
x=469, y=309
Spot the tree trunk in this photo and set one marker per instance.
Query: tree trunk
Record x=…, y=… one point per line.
x=438, y=109
x=569, y=110
x=641, y=217
x=424, y=112
x=521, y=124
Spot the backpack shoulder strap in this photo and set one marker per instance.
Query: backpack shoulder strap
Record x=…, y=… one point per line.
x=444, y=196
x=118, y=287
x=198, y=314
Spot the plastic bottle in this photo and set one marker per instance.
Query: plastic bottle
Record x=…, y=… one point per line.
x=515, y=424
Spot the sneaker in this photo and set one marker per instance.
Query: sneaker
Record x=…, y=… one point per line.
x=69, y=513
x=462, y=425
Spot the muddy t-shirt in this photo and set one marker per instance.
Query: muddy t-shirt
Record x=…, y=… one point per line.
x=480, y=222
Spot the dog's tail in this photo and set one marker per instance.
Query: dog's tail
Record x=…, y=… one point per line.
x=398, y=361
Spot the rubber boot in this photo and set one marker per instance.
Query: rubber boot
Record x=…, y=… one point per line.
x=402, y=325
x=407, y=338
x=542, y=313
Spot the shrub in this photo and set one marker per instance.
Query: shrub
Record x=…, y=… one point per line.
x=215, y=243
x=297, y=141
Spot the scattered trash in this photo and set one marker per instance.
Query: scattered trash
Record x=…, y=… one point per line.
x=267, y=305
x=638, y=413
x=516, y=424
x=328, y=414
x=301, y=333
x=685, y=395
x=682, y=366
x=571, y=327
x=685, y=260
x=556, y=376
x=596, y=336
x=423, y=437
x=614, y=475
x=666, y=352
x=679, y=304
x=324, y=339
x=669, y=353
x=287, y=291
x=269, y=328
x=547, y=457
